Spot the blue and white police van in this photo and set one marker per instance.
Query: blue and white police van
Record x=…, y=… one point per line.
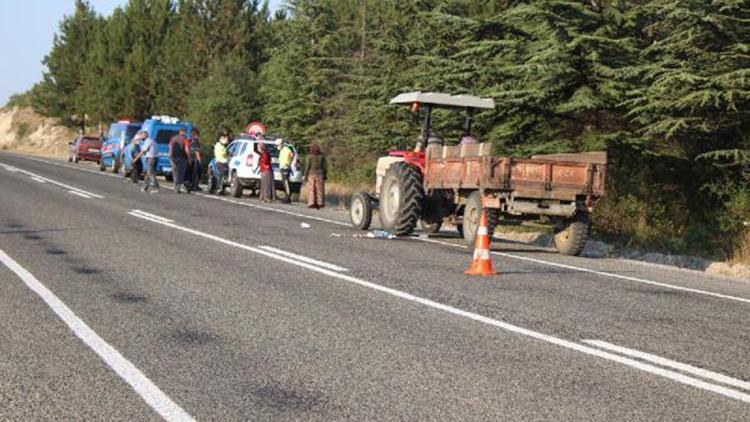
x=161, y=129
x=118, y=137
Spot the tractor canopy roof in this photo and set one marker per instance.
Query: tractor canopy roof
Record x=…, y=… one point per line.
x=444, y=100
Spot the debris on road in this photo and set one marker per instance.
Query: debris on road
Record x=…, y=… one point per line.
x=376, y=234
x=304, y=225
x=335, y=235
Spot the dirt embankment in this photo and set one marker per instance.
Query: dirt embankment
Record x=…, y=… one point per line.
x=23, y=130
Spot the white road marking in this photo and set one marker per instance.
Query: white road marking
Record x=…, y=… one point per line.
x=303, y=258
x=36, y=179
x=507, y=255
x=703, y=373
x=54, y=182
x=601, y=273
x=280, y=211
x=82, y=195
x=675, y=376
x=70, y=166
x=156, y=217
x=145, y=388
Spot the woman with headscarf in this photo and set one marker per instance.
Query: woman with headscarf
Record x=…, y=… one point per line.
x=266, y=174
x=316, y=172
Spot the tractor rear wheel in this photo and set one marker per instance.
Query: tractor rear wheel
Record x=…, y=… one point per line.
x=401, y=196
x=360, y=210
x=472, y=214
x=570, y=239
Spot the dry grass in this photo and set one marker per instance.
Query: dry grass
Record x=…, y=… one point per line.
x=742, y=252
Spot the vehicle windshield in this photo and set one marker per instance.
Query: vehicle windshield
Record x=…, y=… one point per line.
x=271, y=149
x=164, y=135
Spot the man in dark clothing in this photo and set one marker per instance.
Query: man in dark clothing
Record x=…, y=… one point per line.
x=178, y=155
x=196, y=169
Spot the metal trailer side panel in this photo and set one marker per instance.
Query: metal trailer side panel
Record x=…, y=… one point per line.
x=526, y=178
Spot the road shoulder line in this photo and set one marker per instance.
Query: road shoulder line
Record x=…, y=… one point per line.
x=143, y=386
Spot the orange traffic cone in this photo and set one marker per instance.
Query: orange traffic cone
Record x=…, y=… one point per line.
x=482, y=264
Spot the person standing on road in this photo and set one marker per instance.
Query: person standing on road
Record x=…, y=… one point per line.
x=135, y=150
x=316, y=173
x=222, y=158
x=196, y=167
x=286, y=155
x=179, y=156
x=266, y=173
x=148, y=148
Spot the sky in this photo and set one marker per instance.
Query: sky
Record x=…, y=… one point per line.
x=26, y=31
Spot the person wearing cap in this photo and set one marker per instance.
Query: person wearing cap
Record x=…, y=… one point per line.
x=179, y=155
x=148, y=149
x=286, y=155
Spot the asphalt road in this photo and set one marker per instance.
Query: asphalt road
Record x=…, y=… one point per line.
x=187, y=306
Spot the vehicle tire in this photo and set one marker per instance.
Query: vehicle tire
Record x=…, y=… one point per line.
x=430, y=227
x=360, y=210
x=169, y=177
x=101, y=165
x=401, y=196
x=235, y=189
x=570, y=239
x=212, y=185
x=472, y=214
x=296, y=189
x=115, y=166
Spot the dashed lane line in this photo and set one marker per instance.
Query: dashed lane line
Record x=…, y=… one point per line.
x=78, y=191
x=693, y=370
x=567, y=344
x=503, y=254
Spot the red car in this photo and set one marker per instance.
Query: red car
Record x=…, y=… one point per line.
x=85, y=147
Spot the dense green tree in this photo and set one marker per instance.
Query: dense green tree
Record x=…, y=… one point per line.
x=663, y=85
x=61, y=94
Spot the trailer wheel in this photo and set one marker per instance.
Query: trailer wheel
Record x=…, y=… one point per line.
x=570, y=239
x=472, y=213
x=430, y=227
x=401, y=196
x=360, y=210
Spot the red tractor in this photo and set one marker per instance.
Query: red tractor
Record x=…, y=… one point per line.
x=435, y=182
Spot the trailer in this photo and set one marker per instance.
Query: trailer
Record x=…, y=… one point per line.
x=435, y=183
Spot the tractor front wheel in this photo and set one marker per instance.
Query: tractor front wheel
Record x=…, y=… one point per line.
x=360, y=210
x=401, y=196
